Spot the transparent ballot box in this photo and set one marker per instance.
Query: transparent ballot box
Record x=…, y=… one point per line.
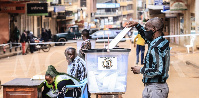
x=107, y=70
x=79, y=42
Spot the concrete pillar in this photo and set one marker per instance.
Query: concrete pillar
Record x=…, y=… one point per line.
x=35, y=32
x=79, y=3
x=135, y=9
x=53, y=26
x=197, y=22
x=43, y=17
x=187, y=24
x=18, y=23
x=88, y=10
x=31, y=24
x=187, y=19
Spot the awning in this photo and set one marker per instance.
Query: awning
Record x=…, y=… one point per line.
x=155, y=7
x=168, y=11
x=171, y=14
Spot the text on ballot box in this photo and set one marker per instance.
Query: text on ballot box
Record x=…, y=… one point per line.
x=107, y=63
x=107, y=70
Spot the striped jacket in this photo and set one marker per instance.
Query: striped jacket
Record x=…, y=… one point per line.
x=77, y=68
x=157, y=59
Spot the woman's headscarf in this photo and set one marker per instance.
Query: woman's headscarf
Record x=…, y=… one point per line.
x=53, y=72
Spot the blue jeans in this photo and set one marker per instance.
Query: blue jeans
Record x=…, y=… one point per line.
x=138, y=49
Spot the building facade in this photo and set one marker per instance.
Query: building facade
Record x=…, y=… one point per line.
x=113, y=13
x=19, y=16
x=179, y=17
x=60, y=15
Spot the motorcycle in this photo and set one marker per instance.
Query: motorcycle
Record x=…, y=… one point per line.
x=38, y=46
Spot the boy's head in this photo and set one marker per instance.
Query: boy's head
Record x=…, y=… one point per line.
x=85, y=34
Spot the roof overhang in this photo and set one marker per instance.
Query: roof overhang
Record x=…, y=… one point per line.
x=171, y=12
x=155, y=7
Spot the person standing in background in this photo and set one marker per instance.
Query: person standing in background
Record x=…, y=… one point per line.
x=86, y=44
x=23, y=42
x=49, y=34
x=44, y=36
x=140, y=47
x=30, y=39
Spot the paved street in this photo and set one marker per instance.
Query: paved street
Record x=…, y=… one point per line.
x=183, y=81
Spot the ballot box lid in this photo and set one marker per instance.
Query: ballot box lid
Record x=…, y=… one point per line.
x=107, y=50
x=23, y=82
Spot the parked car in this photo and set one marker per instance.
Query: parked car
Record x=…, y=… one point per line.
x=92, y=30
x=70, y=34
x=103, y=34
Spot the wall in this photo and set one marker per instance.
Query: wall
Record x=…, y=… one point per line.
x=18, y=23
x=197, y=21
x=35, y=25
x=53, y=25
x=135, y=9
x=88, y=10
x=4, y=23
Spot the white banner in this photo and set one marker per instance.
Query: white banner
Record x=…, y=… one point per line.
x=55, y=2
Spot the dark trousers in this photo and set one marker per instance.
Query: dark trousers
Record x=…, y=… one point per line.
x=32, y=48
x=138, y=49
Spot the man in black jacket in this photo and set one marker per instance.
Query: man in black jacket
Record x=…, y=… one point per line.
x=30, y=39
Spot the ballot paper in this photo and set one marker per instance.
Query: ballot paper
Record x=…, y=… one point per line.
x=93, y=82
x=116, y=40
x=113, y=78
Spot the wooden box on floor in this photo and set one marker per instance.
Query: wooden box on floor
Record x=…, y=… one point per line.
x=22, y=88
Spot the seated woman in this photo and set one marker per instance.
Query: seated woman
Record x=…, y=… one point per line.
x=55, y=83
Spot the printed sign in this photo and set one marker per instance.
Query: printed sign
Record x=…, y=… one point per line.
x=12, y=8
x=158, y=2
x=37, y=8
x=107, y=63
x=59, y=8
x=166, y=7
x=178, y=4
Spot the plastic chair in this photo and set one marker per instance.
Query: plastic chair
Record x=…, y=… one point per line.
x=192, y=38
x=83, y=86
